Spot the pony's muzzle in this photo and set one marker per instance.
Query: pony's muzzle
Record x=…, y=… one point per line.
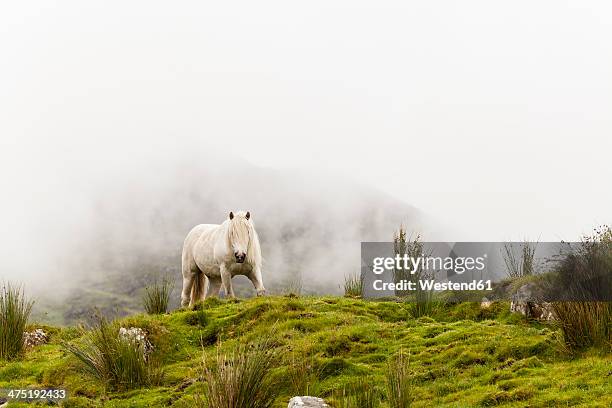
x=240, y=257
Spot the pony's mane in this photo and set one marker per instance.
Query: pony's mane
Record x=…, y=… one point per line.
x=241, y=229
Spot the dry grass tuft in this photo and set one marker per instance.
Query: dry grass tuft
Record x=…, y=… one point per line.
x=241, y=378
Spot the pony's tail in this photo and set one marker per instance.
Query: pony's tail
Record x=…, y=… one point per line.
x=197, y=290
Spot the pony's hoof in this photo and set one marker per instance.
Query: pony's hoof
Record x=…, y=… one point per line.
x=261, y=292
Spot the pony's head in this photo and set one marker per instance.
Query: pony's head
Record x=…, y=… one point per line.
x=241, y=236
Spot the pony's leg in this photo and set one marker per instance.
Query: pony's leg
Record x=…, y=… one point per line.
x=188, y=280
x=205, y=285
x=189, y=271
x=226, y=279
x=255, y=277
x=214, y=286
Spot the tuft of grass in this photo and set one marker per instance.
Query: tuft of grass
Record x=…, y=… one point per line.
x=404, y=244
x=241, y=378
x=293, y=287
x=15, y=310
x=304, y=375
x=584, y=278
x=584, y=324
x=413, y=247
x=522, y=265
x=157, y=297
x=118, y=362
x=360, y=394
x=399, y=384
x=353, y=285
x=363, y=394
x=424, y=300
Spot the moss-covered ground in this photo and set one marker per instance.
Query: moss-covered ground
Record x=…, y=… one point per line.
x=462, y=356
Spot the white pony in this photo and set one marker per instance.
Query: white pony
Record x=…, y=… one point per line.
x=213, y=254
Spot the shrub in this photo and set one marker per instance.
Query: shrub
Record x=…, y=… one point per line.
x=584, y=279
x=242, y=378
x=353, y=285
x=399, y=384
x=584, y=324
x=413, y=248
x=157, y=297
x=118, y=361
x=15, y=310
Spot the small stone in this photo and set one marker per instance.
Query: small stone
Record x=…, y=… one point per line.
x=523, y=303
x=34, y=338
x=485, y=303
x=307, y=402
x=138, y=336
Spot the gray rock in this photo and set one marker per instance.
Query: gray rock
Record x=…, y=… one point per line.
x=137, y=336
x=520, y=300
x=307, y=402
x=485, y=303
x=34, y=338
x=523, y=303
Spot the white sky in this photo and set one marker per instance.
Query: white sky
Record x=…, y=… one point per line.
x=494, y=117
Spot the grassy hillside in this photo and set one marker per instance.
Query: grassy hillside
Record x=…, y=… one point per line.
x=463, y=356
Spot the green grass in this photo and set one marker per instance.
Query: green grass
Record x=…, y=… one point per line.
x=242, y=377
x=586, y=275
x=585, y=324
x=116, y=361
x=14, y=313
x=353, y=285
x=304, y=372
x=157, y=297
x=460, y=355
x=399, y=383
x=362, y=394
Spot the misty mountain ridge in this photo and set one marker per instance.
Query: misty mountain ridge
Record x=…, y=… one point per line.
x=310, y=228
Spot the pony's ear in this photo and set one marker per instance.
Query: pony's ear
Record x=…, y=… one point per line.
x=231, y=215
x=248, y=215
